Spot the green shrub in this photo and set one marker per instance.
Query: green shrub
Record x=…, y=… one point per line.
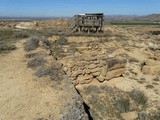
x=138, y=96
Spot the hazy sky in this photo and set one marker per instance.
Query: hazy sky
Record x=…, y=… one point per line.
x=71, y=7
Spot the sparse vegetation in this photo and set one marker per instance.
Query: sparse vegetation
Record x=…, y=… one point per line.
x=155, y=116
x=5, y=48
x=62, y=41
x=123, y=104
x=46, y=43
x=56, y=50
x=143, y=116
x=54, y=71
x=42, y=71
x=36, y=61
x=32, y=43
x=6, y=35
x=31, y=55
x=139, y=97
x=92, y=89
x=115, y=51
x=72, y=49
x=21, y=34
x=107, y=88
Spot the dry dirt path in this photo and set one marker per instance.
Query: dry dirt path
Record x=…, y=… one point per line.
x=22, y=97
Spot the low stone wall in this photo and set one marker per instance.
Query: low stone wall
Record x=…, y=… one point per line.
x=84, y=70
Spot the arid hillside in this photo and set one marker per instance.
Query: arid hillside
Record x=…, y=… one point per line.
x=49, y=73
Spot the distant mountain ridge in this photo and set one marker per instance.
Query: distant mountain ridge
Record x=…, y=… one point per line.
x=148, y=18
x=123, y=18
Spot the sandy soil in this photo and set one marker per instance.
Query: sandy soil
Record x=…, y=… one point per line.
x=22, y=97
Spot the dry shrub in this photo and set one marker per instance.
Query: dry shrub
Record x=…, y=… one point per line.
x=35, y=62
x=54, y=71
x=42, y=71
x=123, y=104
x=56, y=51
x=32, y=43
x=31, y=55
x=143, y=116
x=46, y=43
x=6, y=47
x=62, y=41
x=21, y=34
x=155, y=115
x=138, y=96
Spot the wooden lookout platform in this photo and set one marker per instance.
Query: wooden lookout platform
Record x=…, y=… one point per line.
x=87, y=22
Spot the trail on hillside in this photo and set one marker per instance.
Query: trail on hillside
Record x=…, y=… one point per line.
x=21, y=96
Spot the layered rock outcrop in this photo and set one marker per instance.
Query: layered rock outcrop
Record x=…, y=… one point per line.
x=84, y=70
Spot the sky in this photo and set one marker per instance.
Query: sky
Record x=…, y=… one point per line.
x=60, y=8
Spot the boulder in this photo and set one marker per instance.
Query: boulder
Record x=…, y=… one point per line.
x=65, y=69
x=151, y=62
x=117, y=66
x=92, y=66
x=104, y=71
x=115, y=73
x=84, y=79
x=151, y=70
x=102, y=63
x=80, y=64
x=87, y=71
x=70, y=65
x=130, y=115
x=101, y=78
x=96, y=73
x=76, y=73
x=25, y=25
x=95, y=70
x=116, y=63
x=96, y=62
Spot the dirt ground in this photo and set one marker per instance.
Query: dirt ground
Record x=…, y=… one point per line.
x=21, y=96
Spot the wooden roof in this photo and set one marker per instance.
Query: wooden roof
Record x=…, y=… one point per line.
x=91, y=14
